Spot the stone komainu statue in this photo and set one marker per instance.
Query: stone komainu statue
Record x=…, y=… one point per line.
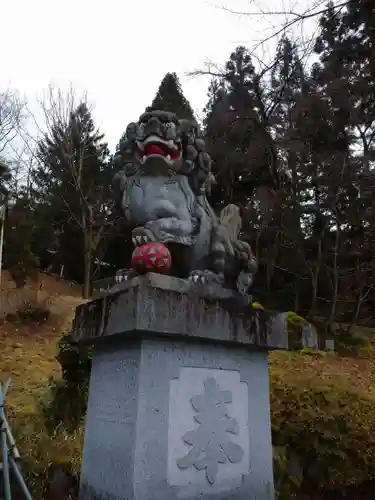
x=161, y=192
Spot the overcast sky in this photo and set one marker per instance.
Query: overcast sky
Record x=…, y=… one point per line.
x=119, y=50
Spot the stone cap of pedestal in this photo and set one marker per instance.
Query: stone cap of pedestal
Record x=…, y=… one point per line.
x=155, y=304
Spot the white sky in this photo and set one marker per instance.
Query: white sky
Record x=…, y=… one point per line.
x=119, y=50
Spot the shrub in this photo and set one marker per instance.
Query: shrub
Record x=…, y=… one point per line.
x=45, y=453
x=67, y=400
x=327, y=424
x=30, y=312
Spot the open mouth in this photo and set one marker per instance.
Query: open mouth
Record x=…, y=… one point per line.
x=154, y=146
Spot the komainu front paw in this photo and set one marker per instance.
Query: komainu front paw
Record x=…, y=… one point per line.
x=206, y=277
x=142, y=235
x=125, y=275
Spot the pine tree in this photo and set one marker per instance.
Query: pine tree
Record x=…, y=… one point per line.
x=74, y=179
x=287, y=83
x=170, y=97
x=5, y=177
x=345, y=78
x=21, y=231
x=233, y=127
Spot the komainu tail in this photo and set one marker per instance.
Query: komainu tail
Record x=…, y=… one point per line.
x=230, y=218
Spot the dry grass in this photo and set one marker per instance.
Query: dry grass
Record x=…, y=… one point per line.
x=29, y=359
x=27, y=355
x=359, y=374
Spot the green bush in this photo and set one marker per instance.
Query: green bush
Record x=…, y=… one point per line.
x=67, y=400
x=30, y=312
x=327, y=425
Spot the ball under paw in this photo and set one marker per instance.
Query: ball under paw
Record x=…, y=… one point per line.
x=151, y=258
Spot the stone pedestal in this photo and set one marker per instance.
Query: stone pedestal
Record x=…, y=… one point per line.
x=179, y=399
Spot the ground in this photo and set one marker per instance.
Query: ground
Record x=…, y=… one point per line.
x=28, y=351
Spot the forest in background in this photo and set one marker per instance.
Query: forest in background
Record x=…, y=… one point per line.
x=292, y=145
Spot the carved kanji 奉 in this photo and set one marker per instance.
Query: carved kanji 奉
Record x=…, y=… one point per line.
x=211, y=441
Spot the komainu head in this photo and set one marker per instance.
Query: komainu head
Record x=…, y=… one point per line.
x=160, y=141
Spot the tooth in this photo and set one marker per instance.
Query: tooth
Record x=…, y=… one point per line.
x=134, y=240
x=168, y=157
x=138, y=239
x=195, y=278
x=144, y=239
x=120, y=279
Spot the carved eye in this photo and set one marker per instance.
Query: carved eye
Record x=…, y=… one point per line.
x=191, y=138
x=170, y=130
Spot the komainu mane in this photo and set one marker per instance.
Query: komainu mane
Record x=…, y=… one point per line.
x=161, y=191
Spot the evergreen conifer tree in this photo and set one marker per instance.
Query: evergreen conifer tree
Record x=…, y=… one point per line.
x=170, y=97
x=73, y=179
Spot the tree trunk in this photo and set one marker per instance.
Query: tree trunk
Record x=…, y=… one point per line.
x=336, y=278
x=87, y=275
x=87, y=258
x=315, y=280
x=296, y=295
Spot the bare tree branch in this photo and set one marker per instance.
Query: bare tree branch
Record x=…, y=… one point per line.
x=11, y=117
x=291, y=19
x=297, y=16
x=59, y=109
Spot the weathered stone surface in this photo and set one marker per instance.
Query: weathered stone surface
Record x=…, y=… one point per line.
x=310, y=337
x=165, y=305
x=155, y=403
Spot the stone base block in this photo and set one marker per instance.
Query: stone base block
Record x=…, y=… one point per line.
x=173, y=419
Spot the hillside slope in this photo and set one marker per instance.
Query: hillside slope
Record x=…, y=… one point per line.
x=27, y=355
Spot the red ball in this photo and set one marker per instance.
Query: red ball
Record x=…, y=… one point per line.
x=151, y=258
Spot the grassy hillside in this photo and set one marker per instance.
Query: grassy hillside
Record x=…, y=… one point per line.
x=28, y=350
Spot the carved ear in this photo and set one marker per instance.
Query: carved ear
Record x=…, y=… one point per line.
x=131, y=132
x=187, y=126
x=118, y=182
